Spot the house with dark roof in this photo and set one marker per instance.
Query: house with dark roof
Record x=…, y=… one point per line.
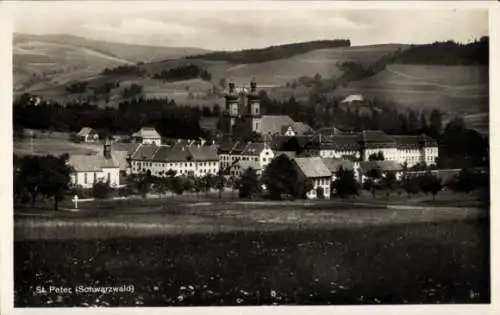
x=93, y=168
x=334, y=165
x=87, y=134
x=314, y=171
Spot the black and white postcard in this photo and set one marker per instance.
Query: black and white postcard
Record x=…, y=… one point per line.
x=265, y=155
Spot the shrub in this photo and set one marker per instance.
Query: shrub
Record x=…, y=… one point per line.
x=101, y=190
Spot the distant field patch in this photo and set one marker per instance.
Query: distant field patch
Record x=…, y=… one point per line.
x=52, y=147
x=461, y=89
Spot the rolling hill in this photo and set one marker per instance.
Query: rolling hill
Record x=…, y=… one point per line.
x=57, y=59
x=271, y=75
x=461, y=89
x=453, y=86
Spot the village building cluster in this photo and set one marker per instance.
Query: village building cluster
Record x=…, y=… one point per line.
x=324, y=152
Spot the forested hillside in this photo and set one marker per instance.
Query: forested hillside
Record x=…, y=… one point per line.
x=271, y=53
x=447, y=53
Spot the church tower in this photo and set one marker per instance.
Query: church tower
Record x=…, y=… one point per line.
x=232, y=110
x=253, y=113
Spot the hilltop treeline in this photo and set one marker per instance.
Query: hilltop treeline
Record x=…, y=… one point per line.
x=186, y=72
x=125, y=70
x=447, y=53
x=272, y=52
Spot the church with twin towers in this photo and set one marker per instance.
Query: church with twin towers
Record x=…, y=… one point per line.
x=242, y=114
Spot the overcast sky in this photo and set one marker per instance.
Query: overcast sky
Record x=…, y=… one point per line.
x=252, y=25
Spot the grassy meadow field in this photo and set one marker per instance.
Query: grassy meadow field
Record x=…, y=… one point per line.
x=53, y=146
x=251, y=253
x=458, y=89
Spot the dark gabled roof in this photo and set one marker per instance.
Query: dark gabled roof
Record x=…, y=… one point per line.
x=428, y=141
x=407, y=142
x=375, y=136
x=145, y=152
x=225, y=146
x=238, y=147
x=278, y=142
x=413, y=142
x=272, y=124
x=340, y=142
x=253, y=148
x=203, y=153
x=162, y=154
x=120, y=157
x=335, y=164
x=130, y=148
x=312, y=167
x=178, y=155
x=92, y=163
x=302, y=128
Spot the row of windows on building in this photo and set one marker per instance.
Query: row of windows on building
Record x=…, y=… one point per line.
x=180, y=164
x=180, y=172
x=94, y=178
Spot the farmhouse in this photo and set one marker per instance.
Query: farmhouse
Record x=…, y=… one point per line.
x=89, y=169
x=314, y=171
x=87, y=134
x=147, y=135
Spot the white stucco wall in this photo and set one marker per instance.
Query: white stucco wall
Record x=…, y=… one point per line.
x=265, y=157
x=87, y=179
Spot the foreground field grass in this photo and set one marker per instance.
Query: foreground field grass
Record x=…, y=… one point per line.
x=205, y=213
x=446, y=262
